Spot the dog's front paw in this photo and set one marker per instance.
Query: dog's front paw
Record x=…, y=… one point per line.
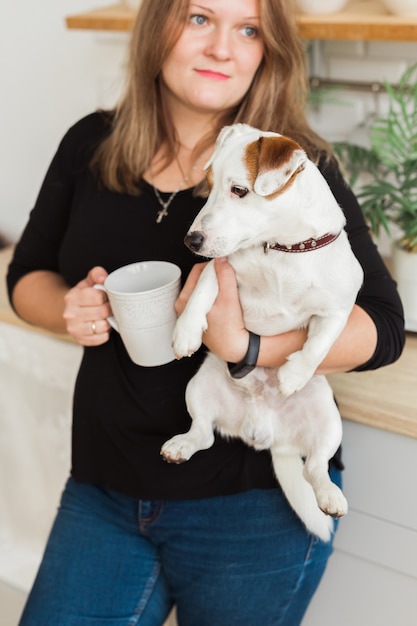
x=293, y=376
x=187, y=338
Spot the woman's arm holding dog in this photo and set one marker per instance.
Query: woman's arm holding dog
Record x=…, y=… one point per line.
x=228, y=337
x=353, y=348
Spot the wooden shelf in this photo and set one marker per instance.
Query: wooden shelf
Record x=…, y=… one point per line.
x=116, y=17
x=360, y=20
x=364, y=21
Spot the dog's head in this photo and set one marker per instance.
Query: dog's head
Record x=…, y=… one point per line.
x=269, y=159
x=249, y=174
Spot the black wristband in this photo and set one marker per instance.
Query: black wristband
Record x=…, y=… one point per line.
x=248, y=363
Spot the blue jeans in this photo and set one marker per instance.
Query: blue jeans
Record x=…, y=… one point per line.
x=112, y=560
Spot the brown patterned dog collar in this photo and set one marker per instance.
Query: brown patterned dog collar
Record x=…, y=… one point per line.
x=303, y=246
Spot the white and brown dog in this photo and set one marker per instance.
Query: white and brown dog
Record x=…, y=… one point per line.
x=271, y=212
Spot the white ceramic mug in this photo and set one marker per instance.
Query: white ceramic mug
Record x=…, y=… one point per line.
x=142, y=297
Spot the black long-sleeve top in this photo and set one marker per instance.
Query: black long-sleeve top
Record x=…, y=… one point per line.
x=123, y=413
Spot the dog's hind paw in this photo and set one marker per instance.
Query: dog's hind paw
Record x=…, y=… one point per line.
x=181, y=448
x=178, y=449
x=332, y=501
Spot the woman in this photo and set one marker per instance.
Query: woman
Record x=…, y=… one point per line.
x=133, y=535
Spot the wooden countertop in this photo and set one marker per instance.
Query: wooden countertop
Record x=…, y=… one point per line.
x=7, y=315
x=363, y=20
x=385, y=398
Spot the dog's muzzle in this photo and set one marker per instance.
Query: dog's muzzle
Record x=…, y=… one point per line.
x=194, y=240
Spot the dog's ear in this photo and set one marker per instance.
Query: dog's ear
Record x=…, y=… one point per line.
x=225, y=133
x=278, y=159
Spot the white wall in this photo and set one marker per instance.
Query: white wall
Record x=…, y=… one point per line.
x=50, y=76
x=347, y=113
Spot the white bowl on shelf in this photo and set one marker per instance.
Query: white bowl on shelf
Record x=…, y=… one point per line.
x=320, y=6
x=407, y=8
x=132, y=4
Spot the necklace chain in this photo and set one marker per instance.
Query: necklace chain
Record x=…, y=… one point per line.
x=165, y=205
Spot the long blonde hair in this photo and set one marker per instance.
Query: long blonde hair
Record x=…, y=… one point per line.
x=141, y=124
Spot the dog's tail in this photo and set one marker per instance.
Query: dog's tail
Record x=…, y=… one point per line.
x=299, y=493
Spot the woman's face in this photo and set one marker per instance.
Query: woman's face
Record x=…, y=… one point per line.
x=216, y=57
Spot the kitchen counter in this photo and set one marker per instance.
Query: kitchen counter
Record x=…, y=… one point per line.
x=385, y=398
x=7, y=314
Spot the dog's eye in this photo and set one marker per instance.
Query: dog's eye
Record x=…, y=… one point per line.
x=239, y=191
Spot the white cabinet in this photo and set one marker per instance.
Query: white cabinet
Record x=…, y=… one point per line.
x=371, y=579
x=37, y=374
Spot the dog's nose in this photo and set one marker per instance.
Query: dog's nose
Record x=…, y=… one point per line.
x=194, y=240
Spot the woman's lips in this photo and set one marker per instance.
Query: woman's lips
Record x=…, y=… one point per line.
x=212, y=75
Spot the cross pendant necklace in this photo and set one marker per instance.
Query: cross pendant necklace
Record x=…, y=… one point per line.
x=165, y=205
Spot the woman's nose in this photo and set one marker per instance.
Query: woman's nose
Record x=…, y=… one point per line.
x=219, y=44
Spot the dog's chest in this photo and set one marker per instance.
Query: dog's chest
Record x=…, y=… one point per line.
x=274, y=298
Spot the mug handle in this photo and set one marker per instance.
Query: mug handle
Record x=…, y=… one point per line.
x=111, y=320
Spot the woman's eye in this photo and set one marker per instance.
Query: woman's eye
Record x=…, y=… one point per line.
x=250, y=31
x=199, y=20
x=239, y=191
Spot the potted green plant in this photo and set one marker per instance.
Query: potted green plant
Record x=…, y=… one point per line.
x=385, y=177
